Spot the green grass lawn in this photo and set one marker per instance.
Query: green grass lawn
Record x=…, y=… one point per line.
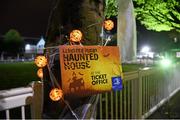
x=21, y=74
x=17, y=74
x=131, y=67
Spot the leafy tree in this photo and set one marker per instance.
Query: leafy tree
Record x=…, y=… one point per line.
x=158, y=15
x=111, y=8
x=13, y=41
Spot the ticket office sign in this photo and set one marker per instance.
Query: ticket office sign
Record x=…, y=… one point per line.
x=87, y=70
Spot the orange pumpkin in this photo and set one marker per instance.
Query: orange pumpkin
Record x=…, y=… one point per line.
x=108, y=24
x=76, y=36
x=40, y=73
x=41, y=61
x=55, y=94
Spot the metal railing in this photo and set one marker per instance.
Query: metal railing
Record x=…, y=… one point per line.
x=143, y=92
x=21, y=97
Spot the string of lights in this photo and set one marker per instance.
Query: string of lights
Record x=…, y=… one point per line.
x=41, y=61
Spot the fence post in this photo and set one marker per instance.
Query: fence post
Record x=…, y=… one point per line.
x=37, y=100
x=140, y=95
x=135, y=98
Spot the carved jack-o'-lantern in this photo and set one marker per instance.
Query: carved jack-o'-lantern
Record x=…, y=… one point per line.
x=76, y=36
x=40, y=73
x=108, y=24
x=41, y=61
x=55, y=94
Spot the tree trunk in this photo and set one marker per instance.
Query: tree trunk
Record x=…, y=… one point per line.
x=126, y=31
x=87, y=16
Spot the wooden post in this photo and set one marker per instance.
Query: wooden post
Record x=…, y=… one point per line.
x=37, y=100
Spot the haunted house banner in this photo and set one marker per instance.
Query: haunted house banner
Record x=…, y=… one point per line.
x=87, y=70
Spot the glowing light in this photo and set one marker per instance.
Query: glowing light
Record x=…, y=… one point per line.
x=41, y=61
x=145, y=49
x=108, y=24
x=27, y=47
x=165, y=62
x=76, y=36
x=55, y=94
x=40, y=73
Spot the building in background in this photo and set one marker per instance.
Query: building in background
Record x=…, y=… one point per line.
x=34, y=47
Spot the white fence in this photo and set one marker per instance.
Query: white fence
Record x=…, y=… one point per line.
x=144, y=91
x=20, y=97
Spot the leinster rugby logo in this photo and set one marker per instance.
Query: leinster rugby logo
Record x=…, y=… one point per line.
x=117, y=83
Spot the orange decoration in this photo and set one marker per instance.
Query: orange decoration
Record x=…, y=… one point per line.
x=40, y=73
x=108, y=24
x=56, y=94
x=76, y=36
x=41, y=61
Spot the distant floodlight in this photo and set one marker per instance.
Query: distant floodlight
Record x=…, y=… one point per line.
x=165, y=62
x=27, y=47
x=145, y=49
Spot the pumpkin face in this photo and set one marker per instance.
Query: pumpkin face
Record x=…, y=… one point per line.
x=55, y=94
x=40, y=73
x=41, y=61
x=76, y=36
x=108, y=24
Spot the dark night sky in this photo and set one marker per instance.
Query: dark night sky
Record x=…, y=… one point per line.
x=29, y=17
x=153, y=39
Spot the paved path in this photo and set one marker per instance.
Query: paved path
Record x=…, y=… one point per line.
x=171, y=110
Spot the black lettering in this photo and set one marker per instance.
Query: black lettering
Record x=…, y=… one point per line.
x=93, y=82
x=82, y=57
x=71, y=58
x=65, y=56
x=73, y=66
x=95, y=56
x=83, y=65
x=66, y=65
x=76, y=65
x=87, y=64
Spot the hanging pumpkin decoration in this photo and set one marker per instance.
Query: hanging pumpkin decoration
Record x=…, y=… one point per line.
x=55, y=94
x=40, y=73
x=76, y=36
x=41, y=61
x=108, y=24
